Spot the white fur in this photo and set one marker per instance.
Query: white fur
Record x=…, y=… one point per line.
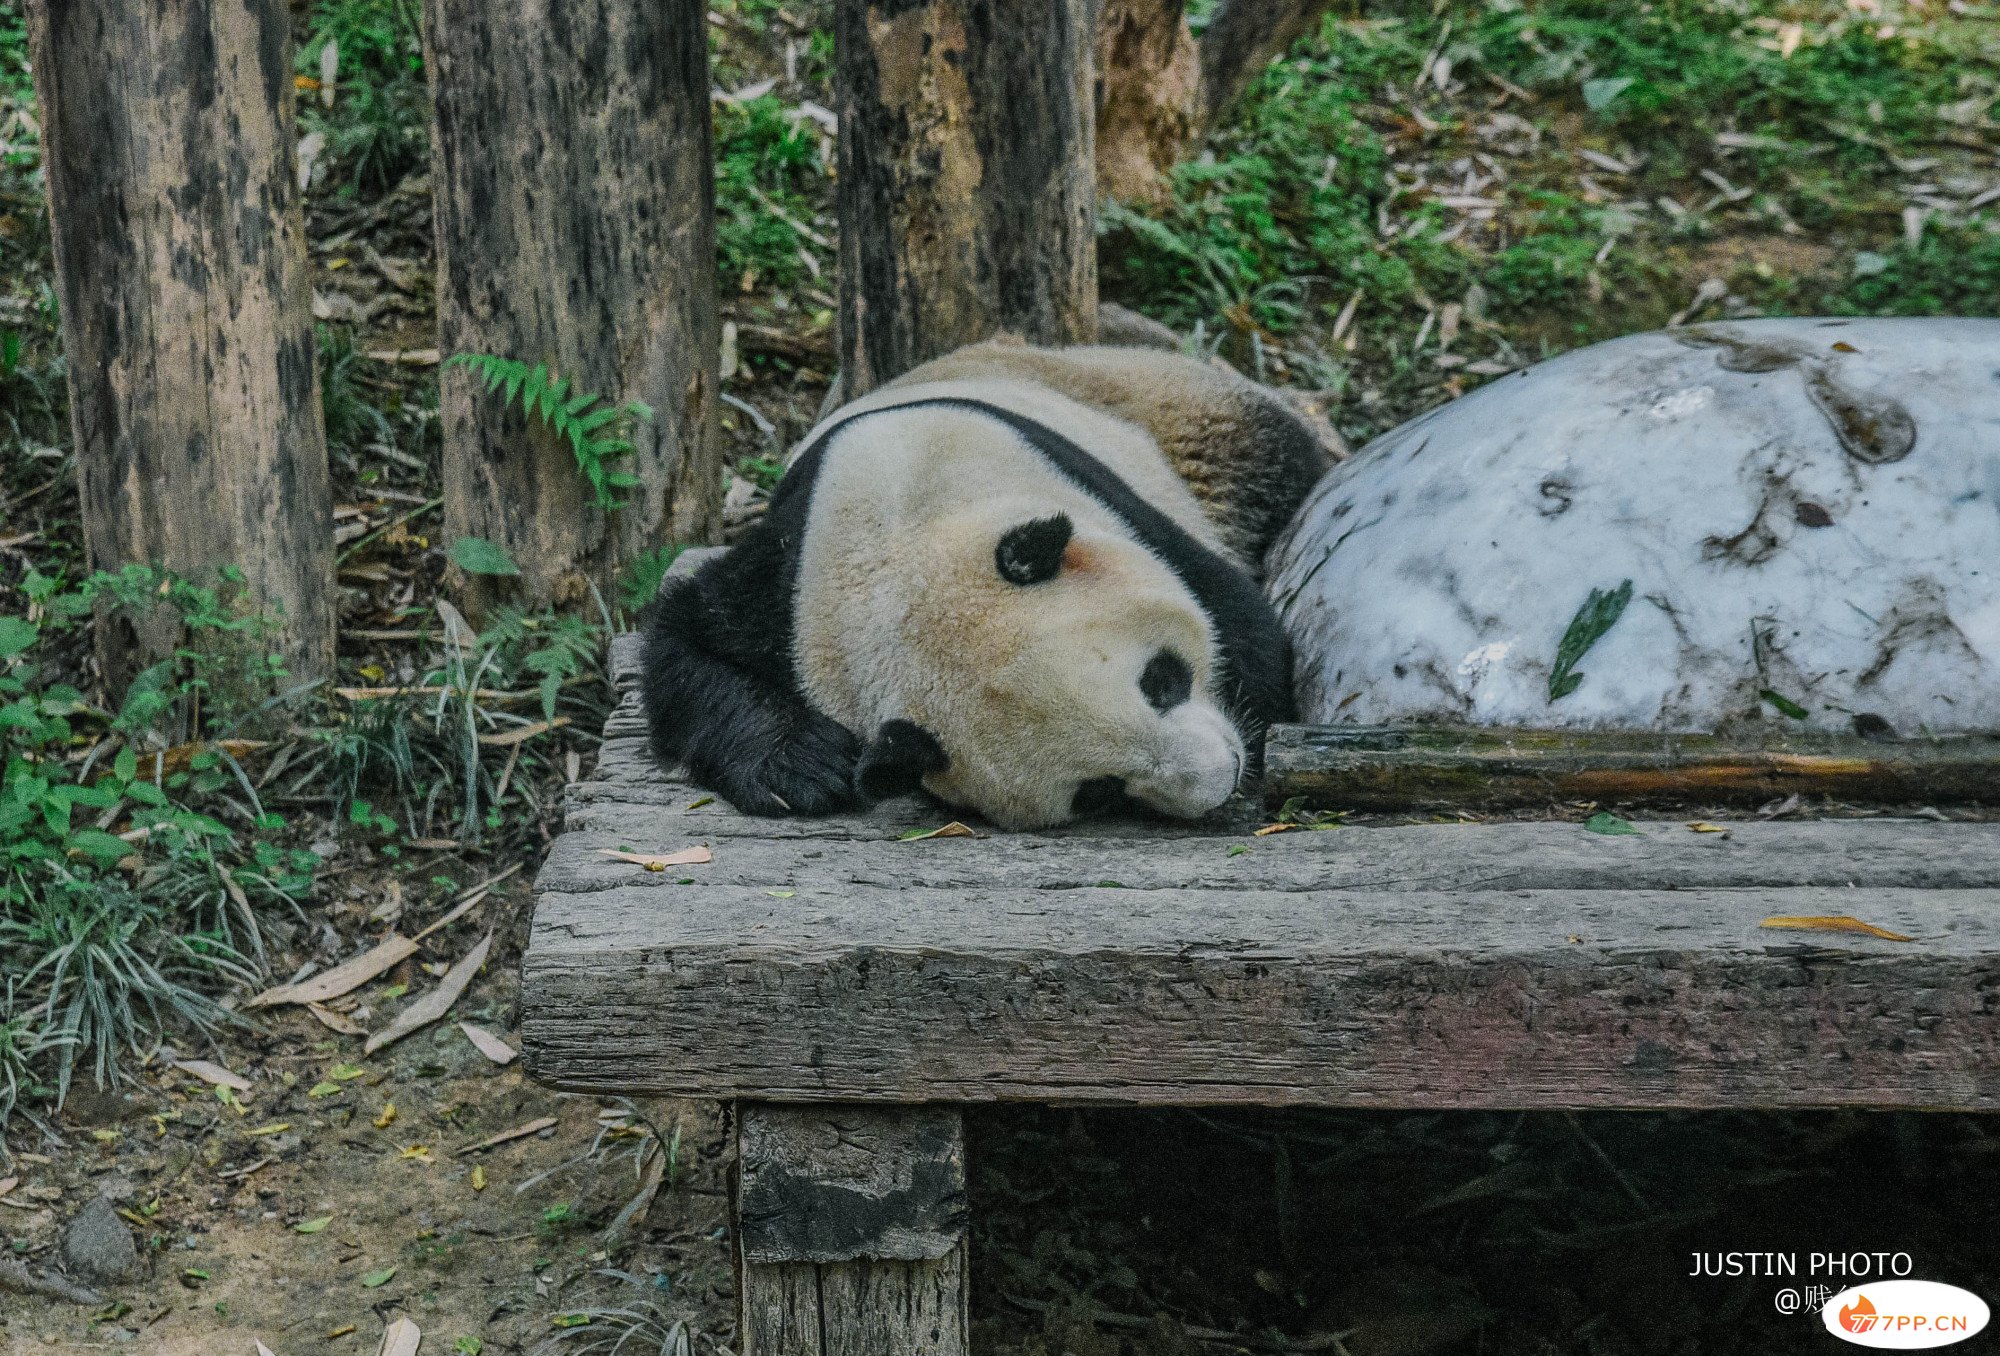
x=1033, y=689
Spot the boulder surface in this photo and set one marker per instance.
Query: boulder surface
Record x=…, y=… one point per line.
x=1807, y=512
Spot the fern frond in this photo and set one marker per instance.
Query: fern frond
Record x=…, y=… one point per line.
x=596, y=436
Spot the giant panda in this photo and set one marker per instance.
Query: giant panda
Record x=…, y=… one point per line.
x=1021, y=579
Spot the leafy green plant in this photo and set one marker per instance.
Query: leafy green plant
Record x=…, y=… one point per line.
x=770, y=180
x=126, y=899
x=374, y=129
x=640, y=583
x=598, y=433
x=1599, y=613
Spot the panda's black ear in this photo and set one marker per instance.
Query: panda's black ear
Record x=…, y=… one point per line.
x=1032, y=552
x=897, y=759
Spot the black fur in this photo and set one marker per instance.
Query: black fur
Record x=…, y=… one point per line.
x=898, y=759
x=1166, y=682
x=1032, y=553
x=721, y=691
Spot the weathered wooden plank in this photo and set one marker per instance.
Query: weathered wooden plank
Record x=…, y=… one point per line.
x=672, y=798
x=851, y=1222
x=1357, y=998
x=1869, y=854
x=832, y=1184
x=1413, y=768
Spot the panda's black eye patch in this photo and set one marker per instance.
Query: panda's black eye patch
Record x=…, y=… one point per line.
x=1167, y=681
x=1032, y=552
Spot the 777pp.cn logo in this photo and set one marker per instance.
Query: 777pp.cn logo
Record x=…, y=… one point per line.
x=1904, y=1315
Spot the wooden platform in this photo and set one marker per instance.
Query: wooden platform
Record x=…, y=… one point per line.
x=1439, y=965
x=1433, y=965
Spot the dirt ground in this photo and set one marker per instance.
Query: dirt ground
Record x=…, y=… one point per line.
x=226, y=1210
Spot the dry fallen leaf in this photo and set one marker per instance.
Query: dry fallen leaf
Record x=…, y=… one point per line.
x=951, y=830
x=401, y=1338
x=1270, y=829
x=390, y=952
x=1833, y=923
x=340, y=1331
x=489, y=1044
x=333, y=1021
x=523, y=734
x=263, y=1350
x=274, y=1128
x=388, y=1116
x=434, y=1004
x=1703, y=826
x=213, y=1073
x=420, y=1153
x=660, y=861
x=478, y=1178
x=534, y=1127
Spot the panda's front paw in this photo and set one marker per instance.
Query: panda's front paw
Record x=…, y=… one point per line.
x=809, y=772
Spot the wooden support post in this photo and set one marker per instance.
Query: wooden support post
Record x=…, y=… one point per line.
x=167, y=134
x=575, y=207
x=967, y=185
x=851, y=1224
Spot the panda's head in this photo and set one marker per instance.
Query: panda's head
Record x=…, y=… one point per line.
x=1046, y=670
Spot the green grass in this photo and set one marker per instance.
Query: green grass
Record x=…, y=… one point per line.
x=1327, y=181
x=769, y=181
x=135, y=869
x=375, y=128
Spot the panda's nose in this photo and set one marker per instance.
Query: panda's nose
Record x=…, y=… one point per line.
x=1166, y=682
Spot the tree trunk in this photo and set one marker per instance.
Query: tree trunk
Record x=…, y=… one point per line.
x=966, y=185
x=1242, y=39
x=186, y=305
x=1160, y=93
x=1148, y=97
x=575, y=206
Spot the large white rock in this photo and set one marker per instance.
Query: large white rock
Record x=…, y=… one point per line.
x=1809, y=508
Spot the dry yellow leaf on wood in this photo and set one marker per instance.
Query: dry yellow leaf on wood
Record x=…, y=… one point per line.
x=660, y=861
x=951, y=830
x=1832, y=923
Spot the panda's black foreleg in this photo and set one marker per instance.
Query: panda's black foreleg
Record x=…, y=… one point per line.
x=717, y=699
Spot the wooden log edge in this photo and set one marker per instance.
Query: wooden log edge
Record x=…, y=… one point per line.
x=1385, y=768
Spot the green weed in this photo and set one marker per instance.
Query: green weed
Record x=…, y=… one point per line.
x=770, y=180
x=126, y=899
x=375, y=126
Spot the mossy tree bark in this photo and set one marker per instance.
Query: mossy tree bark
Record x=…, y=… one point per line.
x=966, y=193
x=575, y=207
x=186, y=305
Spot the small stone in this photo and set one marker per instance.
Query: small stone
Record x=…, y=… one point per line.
x=98, y=1246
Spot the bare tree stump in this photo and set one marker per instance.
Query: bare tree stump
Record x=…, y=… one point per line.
x=186, y=305
x=1160, y=92
x=851, y=1223
x=575, y=209
x=966, y=187
x=1148, y=96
